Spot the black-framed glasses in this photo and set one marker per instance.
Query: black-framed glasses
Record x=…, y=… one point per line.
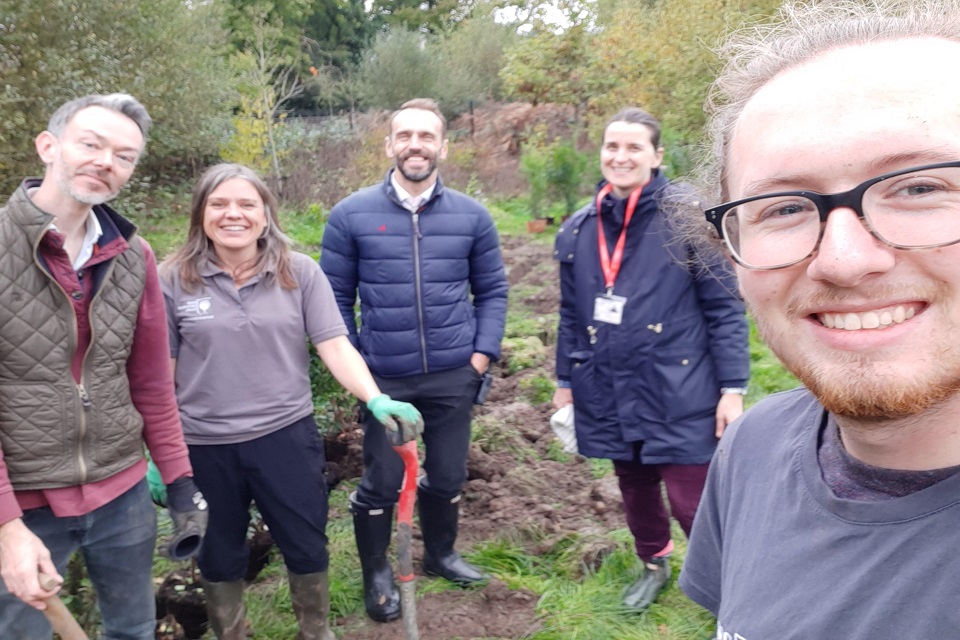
x=917, y=208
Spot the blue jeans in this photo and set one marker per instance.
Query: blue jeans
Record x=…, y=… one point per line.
x=117, y=542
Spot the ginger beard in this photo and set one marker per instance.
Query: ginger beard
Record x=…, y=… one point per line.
x=864, y=386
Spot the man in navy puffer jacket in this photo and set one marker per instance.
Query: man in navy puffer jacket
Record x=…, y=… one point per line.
x=426, y=263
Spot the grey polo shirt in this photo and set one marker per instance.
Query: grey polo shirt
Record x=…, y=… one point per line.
x=242, y=353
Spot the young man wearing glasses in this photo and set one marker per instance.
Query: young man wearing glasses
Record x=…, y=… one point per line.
x=830, y=511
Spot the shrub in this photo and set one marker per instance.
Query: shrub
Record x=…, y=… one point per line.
x=554, y=171
x=534, y=164
x=565, y=172
x=332, y=404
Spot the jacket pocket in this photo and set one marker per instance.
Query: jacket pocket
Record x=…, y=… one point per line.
x=584, y=382
x=33, y=429
x=687, y=381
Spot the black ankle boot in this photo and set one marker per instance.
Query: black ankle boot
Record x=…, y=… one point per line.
x=372, y=528
x=438, y=523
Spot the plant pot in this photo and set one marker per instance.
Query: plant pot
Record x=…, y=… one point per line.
x=537, y=226
x=184, y=600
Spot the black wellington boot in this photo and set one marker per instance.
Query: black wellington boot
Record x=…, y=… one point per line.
x=372, y=528
x=438, y=523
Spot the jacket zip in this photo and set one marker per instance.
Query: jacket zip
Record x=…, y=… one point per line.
x=82, y=396
x=416, y=283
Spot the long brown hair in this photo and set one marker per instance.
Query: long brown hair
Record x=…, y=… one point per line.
x=273, y=247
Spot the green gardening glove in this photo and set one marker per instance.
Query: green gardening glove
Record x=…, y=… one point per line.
x=158, y=491
x=401, y=420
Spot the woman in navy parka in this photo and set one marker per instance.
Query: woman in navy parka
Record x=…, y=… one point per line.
x=652, y=350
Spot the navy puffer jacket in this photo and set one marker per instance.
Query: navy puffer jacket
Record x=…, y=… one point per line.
x=655, y=379
x=432, y=284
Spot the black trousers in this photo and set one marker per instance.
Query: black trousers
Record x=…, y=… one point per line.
x=445, y=399
x=283, y=473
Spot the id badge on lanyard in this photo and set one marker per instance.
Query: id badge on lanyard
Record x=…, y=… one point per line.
x=607, y=307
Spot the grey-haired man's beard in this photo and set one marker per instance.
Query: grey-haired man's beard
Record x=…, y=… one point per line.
x=92, y=199
x=65, y=184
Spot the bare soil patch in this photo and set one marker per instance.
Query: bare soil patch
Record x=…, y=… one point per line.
x=492, y=612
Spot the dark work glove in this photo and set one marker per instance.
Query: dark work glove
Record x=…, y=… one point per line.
x=188, y=509
x=401, y=420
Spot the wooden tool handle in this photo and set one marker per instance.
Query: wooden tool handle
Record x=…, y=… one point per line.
x=59, y=617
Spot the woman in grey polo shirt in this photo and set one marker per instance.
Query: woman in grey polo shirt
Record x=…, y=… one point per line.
x=239, y=306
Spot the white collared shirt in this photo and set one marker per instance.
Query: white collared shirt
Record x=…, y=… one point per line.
x=90, y=237
x=406, y=199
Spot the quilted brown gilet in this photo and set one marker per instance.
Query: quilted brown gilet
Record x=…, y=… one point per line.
x=48, y=436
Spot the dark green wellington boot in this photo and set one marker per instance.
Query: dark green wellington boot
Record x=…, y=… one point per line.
x=653, y=580
x=310, y=596
x=225, y=609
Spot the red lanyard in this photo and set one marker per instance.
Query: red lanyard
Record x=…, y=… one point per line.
x=611, y=264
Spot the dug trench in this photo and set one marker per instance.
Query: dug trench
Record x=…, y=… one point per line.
x=518, y=485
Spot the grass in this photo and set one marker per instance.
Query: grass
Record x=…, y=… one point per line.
x=512, y=216
x=575, y=602
x=767, y=375
x=538, y=389
x=578, y=603
x=305, y=228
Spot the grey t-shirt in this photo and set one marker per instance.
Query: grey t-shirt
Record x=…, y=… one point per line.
x=775, y=555
x=242, y=354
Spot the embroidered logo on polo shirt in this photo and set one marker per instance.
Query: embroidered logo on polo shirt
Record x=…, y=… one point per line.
x=198, y=309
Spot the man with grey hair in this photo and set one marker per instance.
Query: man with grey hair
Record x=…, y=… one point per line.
x=84, y=380
x=831, y=510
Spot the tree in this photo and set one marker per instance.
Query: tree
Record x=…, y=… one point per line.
x=549, y=67
x=533, y=16
x=398, y=67
x=340, y=31
x=167, y=54
x=269, y=79
x=667, y=71
x=288, y=16
x=470, y=60
x=327, y=36
x=429, y=16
